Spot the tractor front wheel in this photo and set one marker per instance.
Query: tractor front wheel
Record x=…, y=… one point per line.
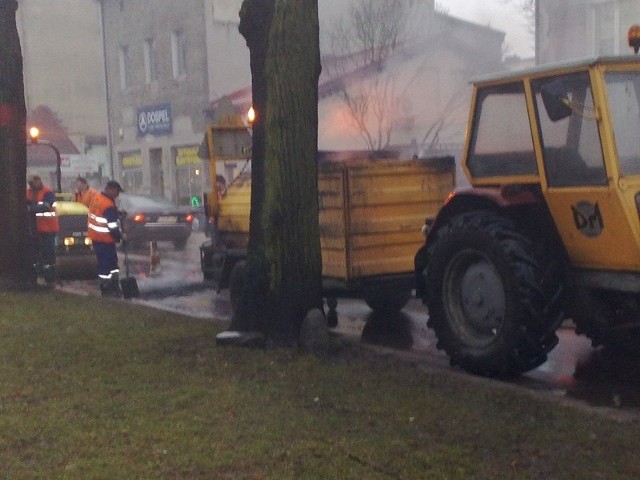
x=486, y=302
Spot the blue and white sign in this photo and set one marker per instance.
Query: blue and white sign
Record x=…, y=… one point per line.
x=154, y=120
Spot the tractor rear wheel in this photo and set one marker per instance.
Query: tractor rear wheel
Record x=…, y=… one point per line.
x=486, y=301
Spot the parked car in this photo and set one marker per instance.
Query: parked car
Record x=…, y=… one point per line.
x=146, y=218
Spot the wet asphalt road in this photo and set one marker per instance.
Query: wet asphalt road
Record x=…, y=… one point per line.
x=574, y=370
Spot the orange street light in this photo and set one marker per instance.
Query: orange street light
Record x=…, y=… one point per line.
x=251, y=115
x=34, y=134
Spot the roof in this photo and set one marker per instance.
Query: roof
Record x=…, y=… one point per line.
x=578, y=64
x=52, y=132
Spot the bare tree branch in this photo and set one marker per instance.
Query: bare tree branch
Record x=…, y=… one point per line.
x=367, y=45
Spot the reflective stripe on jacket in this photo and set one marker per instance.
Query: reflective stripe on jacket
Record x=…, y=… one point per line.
x=103, y=220
x=43, y=204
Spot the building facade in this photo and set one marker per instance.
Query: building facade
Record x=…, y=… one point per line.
x=165, y=61
x=572, y=29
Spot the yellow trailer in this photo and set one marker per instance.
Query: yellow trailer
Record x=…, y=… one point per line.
x=371, y=214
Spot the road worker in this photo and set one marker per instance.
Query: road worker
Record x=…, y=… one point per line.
x=84, y=193
x=41, y=202
x=105, y=233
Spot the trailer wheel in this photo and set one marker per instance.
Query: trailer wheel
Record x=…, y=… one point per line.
x=386, y=299
x=486, y=302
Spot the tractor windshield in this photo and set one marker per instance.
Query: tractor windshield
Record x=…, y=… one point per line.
x=572, y=150
x=623, y=92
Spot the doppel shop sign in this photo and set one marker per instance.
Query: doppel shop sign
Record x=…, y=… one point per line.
x=154, y=120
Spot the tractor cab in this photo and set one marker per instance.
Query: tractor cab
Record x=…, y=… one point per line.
x=550, y=227
x=572, y=131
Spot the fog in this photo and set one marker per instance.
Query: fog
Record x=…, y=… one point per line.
x=422, y=86
x=501, y=14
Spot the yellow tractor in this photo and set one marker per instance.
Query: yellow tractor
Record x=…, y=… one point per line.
x=550, y=228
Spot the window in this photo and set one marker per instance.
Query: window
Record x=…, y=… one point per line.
x=623, y=91
x=501, y=143
x=150, y=61
x=125, y=67
x=570, y=137
x=179, y=53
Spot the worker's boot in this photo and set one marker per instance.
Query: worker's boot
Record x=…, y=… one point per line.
x=106, y=288
x=49, y=274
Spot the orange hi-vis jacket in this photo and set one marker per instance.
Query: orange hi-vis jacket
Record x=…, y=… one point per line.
x=87, y=197
x=44, y=206
x=103, y=220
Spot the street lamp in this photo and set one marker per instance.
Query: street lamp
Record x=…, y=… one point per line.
x=251, y=115
x=34, y=133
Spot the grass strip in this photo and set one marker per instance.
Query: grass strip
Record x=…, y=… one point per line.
x=95, y=389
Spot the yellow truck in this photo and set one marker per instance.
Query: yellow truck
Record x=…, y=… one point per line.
x=550, y=228
x=371, y=214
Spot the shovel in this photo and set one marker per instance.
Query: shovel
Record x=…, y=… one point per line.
x=128, y=285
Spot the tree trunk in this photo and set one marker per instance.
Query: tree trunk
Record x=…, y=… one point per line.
x=255, y=21
x=15, y=252
x=290, y=211
x=283, y=274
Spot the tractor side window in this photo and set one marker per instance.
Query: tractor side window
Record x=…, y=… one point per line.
x=568, y=124
x=623, y=91
x=501, y=143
